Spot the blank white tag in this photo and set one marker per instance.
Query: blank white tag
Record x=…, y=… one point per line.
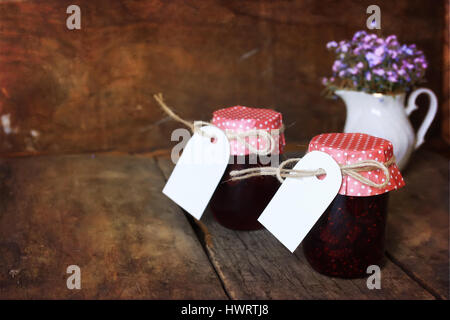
x=299, y=202
x=198, y=171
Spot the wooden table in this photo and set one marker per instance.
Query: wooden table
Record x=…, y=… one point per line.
x=106, y=214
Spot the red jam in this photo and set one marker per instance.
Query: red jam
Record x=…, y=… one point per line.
x=348, y=237
x=238, y=204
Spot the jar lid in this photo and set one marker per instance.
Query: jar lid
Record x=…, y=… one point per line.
x=349, y=148
x=242, y=119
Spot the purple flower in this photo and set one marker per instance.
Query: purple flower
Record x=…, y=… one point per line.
x=392, y=76
x=378, y=72
x=401, y=72
x=407, y=65
x=343, y=47
x=332, y=44
x=393, y=54
x=358, y=35
x=394, y=44
x=367, y=38
x=357, y=50
x=391, y=39
x=337, y=65
x=370, y=37
x=407, y=50
x=367, y=56
x=373, y=59
x=353, y=71
x=379, y=51
x=420, y=60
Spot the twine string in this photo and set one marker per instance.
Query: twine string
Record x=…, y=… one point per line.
x=239, y=136
x=351, y=170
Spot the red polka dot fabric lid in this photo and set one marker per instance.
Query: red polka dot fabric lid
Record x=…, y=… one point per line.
x=241, y=119
x=348, y=148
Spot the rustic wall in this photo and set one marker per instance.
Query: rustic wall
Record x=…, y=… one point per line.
x=90, y=90
x=446, y=76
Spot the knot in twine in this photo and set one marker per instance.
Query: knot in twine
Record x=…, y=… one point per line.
x=239, y=136
x=348, y=169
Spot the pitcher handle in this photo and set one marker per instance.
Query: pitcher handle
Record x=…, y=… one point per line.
x=432, y=109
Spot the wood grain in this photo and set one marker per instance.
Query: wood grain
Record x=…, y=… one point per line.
x=105, y=214
x=418, y=228
x=91, y=89
x=446, y=76
x=254, y=265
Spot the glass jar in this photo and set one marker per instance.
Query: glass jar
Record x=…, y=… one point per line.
x=238, y=204
x=349, y=236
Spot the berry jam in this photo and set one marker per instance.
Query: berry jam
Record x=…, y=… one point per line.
x=238, y=204
x=348, y=237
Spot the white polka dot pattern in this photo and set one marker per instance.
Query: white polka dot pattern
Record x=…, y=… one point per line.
x=348, y=148
x=242, y=119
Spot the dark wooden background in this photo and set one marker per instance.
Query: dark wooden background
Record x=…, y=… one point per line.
x=91, y=89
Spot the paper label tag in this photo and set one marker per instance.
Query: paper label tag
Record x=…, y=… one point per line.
x=198, y=171
x=299, y=202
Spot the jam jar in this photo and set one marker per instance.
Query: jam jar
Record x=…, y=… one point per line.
x=238, y=204
x=349, y=236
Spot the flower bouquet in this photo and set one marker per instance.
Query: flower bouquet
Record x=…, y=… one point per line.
x=373, y=75
x=373, y=64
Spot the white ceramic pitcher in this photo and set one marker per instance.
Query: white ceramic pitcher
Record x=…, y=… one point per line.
x=385, y=116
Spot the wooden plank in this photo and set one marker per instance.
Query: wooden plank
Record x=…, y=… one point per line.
x=418, y=228
x=445, y=109
x=254, y=265
x=105, y=214
x=91, y=89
